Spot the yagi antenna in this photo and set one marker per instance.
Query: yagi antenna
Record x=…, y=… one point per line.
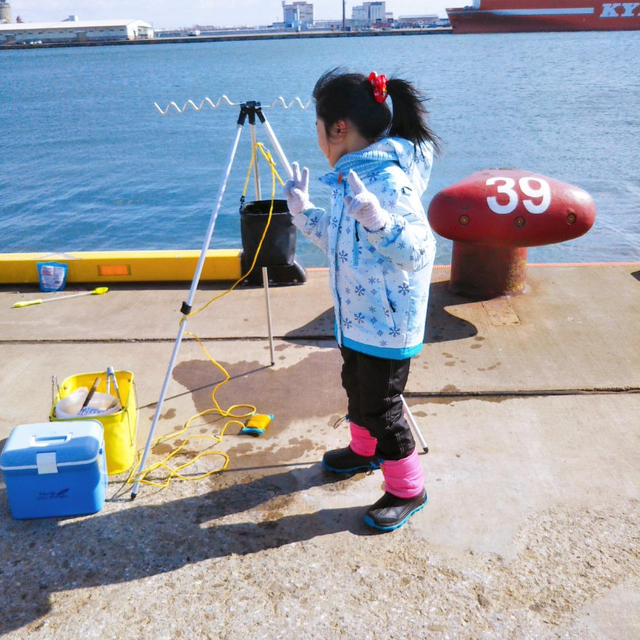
x=190, y=104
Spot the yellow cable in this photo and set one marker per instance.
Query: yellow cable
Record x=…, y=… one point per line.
x=231, y=412
x=249, y=169
x=236, y=418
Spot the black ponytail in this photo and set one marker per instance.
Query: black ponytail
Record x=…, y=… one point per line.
x=342, y=95
x=410, y=116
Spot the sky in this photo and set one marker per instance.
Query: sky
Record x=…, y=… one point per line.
x=223, y=13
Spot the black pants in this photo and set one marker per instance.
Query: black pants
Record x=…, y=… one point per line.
x=374, y=386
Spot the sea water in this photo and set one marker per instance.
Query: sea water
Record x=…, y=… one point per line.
x=88, y=163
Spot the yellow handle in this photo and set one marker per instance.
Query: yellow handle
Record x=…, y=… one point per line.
x=98, y=291
x=26, y=303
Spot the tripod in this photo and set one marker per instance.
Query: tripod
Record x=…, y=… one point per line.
x=247, y=110
x=250, y=110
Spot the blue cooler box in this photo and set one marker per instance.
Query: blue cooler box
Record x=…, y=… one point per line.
x=55, y=469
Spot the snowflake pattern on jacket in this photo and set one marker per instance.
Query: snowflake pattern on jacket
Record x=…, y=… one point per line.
x=379, y=280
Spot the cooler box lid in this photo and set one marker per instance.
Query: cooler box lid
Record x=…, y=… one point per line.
x=49, y=445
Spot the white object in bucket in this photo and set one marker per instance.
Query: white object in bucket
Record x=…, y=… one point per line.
x=100, y=404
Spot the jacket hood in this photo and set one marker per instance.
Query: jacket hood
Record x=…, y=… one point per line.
x=414, y=161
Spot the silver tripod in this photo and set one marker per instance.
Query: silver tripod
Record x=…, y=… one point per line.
x=247, y=110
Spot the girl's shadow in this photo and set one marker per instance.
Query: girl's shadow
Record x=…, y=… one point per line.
x=41, y=557
x=442, y=326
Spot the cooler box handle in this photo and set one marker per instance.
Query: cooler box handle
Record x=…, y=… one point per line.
x=47, y=440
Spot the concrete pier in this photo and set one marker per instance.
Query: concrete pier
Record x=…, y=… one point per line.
x=529, y=405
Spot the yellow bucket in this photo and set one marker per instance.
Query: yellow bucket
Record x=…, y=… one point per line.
x=119, y=426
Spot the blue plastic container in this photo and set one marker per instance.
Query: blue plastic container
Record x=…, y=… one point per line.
x=52, y=276
x=55, y=469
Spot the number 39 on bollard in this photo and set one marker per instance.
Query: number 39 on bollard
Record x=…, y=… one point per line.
x=492, y=217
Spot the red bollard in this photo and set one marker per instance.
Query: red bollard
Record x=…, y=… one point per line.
x=494, y=215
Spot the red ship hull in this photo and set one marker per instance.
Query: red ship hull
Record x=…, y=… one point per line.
x=495, y=16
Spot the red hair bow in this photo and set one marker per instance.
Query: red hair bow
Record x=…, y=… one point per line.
x=379, y=84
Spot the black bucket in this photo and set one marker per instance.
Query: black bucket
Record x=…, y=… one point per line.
x=279, y=246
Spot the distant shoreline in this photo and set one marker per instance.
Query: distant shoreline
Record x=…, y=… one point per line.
x=227, y=37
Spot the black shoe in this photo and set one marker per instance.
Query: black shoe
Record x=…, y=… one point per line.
x=346, y=461
x=391, y=512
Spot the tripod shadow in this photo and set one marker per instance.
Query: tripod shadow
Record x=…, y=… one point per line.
x=41, y=557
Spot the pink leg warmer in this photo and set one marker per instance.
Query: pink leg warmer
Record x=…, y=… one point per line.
x=362, y=442
x=404, y=478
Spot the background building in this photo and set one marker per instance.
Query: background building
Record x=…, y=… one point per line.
x=297, y=15
x=5, y=12
x=74, y=30
x=369, y=13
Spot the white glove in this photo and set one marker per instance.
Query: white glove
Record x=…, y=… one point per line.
x=296, y=190
x=364, y=206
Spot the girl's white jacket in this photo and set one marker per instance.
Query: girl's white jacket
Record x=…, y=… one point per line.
x=379, y=280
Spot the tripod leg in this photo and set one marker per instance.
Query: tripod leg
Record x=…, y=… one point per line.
x=276, y=146
x=256, y=173
x=187, y=305
x=265, y=282
x=414, y=425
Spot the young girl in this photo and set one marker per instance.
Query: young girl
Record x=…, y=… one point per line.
x=381, y=253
